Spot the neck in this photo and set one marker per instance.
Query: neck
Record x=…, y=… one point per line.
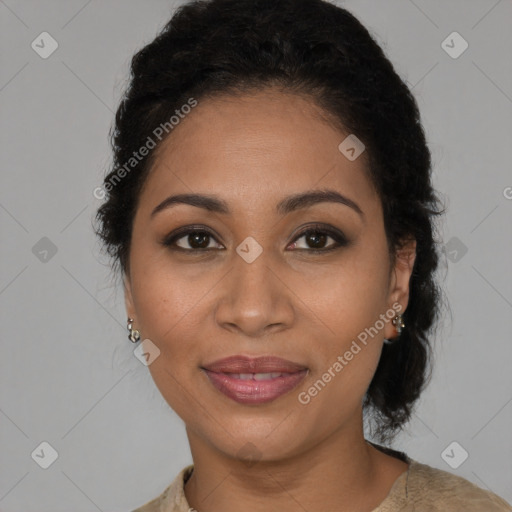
x=343, y=472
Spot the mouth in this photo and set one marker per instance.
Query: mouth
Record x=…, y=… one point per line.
x=254, y=380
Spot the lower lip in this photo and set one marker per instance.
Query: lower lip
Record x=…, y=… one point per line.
x=254, y=391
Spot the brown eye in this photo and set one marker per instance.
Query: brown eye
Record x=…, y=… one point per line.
x=191, y=240
x=316, y=238
x=198, y=240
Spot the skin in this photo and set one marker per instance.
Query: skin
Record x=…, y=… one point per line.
x=252, y=151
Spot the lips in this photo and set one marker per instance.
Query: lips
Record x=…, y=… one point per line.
x=254, y=380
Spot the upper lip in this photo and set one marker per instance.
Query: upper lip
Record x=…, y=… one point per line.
x=244, y=364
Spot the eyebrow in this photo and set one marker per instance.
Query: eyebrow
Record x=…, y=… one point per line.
x=285, y=206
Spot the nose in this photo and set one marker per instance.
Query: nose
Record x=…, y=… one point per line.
x=255, y=299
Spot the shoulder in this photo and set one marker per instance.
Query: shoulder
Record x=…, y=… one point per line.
x=172, y=498
x=421, y=488
x=434, y=490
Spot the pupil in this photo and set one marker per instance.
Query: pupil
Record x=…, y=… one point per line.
x=316, y=239
x=195, y=239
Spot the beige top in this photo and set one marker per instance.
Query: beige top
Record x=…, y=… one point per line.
x=420, y=489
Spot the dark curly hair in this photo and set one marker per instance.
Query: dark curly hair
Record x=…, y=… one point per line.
x=314, y=48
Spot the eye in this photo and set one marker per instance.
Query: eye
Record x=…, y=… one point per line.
x=316, y=237
x=200, y=239
x=191, y=240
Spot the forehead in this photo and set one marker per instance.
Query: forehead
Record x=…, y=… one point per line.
x=255, y=149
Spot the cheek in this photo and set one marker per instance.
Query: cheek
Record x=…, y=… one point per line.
x=349, y=302
x=165, y=299
x=167, y=311
x=345, y=363
x=347, y=297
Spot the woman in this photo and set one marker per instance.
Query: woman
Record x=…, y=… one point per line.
x=272, y=212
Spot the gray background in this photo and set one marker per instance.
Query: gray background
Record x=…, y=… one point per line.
x=68, y=375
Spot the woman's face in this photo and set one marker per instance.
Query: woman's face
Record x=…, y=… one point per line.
x=251, y=283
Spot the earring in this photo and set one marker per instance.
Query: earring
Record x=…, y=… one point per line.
x=133, y=334
x=398, y=322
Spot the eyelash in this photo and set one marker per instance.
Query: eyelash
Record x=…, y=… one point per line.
x=338, y=237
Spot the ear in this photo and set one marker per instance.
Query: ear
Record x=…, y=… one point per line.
x=128, y=299
x=399, y=282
